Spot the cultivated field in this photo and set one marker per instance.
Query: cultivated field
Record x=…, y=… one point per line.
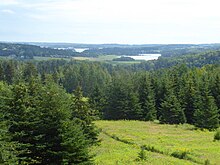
x=121, y=143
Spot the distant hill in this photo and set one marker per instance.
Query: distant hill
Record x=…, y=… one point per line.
x=166, y=50
x=28, y=50
x=25, y=51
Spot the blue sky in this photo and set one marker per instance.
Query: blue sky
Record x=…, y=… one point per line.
x=110, y=21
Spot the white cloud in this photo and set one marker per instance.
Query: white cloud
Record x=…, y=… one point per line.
x=7, y=11
x=8, y=2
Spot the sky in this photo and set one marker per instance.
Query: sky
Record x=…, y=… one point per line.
x=110, y=21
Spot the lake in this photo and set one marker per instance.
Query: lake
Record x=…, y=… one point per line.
x=145, y=57
x=79, y=50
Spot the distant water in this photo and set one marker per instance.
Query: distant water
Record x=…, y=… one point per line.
x=80, y=49
x=145, y=57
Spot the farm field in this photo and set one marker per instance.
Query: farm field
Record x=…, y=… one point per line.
x=106, y=58
x=121, y=143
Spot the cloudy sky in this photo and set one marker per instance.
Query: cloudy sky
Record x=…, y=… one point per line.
x=110, y=21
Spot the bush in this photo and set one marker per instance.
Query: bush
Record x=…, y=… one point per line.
x=207, y=162
x=179, y=154
x=142, y=154
x=152, y=149
x=217, y=135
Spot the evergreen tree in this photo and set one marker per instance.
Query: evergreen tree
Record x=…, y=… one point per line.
x=85, y=116
x=147, y=99
x=206, y=112
x=29, y=71
x=40, y=120
x=171, y=110
x=8, y=154
x=122, y=102
x=9, y=72
x=216, y=90
x=97, y=100
x=1, y=72
x=188, y=97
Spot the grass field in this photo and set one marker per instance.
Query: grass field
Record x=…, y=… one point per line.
x=121, y=142
x=106, y=58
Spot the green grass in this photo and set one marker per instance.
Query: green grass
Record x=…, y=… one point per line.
x=121, y=142
x=106, y=58
x=103, y=58
x=38, y=58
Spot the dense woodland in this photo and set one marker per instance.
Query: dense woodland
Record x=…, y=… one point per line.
x=25, y=51
x=65, y=50
x=47, y=108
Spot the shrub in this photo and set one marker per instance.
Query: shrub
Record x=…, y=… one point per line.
x=179, y=154
x=142, y=154
x=152, y=149
x=207, y=162
x=217, y=135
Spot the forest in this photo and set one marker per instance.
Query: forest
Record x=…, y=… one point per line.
x=29, y=50
x=48, y=108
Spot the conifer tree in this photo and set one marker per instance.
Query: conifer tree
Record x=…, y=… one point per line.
x=147, y=99
x=188, y=97
x=122, y=101
x=171, y=110
x=206, y=113
x=82, y=113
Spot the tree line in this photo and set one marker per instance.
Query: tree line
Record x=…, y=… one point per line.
x=43, y=121
x=174, y=95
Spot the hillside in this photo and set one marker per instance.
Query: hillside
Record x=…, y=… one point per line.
x=121, y=141
x=25, y=51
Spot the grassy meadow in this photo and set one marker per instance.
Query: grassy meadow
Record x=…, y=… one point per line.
x=121, y=143
x=106, y=58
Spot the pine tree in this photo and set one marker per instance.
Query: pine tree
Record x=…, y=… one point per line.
x=1, y=72
x=171, y=110
x=41, y=122
x=147, y=100
x=8, y=154
x=122, y=102
x=97, y=100
x=9, y=72
x=216, y=90
x=82, y=112
x=188, y=97
x=29, y=71
x=206, y=112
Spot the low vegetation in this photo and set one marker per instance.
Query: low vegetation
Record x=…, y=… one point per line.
x=217, y=135
x=152, y=143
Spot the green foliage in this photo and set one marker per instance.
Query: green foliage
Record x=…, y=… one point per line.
x=152, y=149
x=123, y=102
x=147, y=99
x=217, y=135
x=41, y=129
x=180, y=154
x=207, y=162
x=75, y=144
x=42, y=123
x=206, y=112
x=142, y=154
x=84, y=115
x=171, y=110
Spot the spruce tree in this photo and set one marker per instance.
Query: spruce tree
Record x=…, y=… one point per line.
x=147, y=99
x=171, y=110
x=122, y=101
x=206, y=112
x=188, y=97
x=85, y=116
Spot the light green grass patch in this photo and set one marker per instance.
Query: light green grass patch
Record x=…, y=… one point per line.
x=168, y=139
